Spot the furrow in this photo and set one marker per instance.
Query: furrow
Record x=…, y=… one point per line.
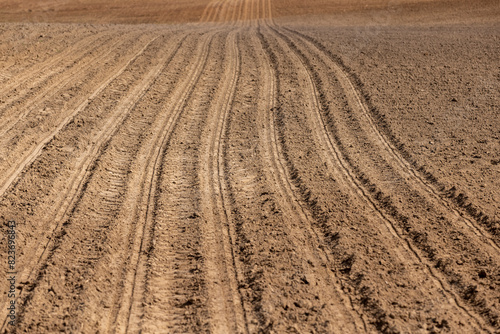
x=257, y=10
x=19, y=92
x=176, y=288
x=289, y=202
x=234, y=11
x=130, y=311
x=206, y=12
x=96, y=208
x=12, y=174
x=338, y=158
x=27, y=107
x=84, y=163
x=224, y=12
x=47, y=115
x=357, y=103
x=32, y=49
x=251, y=16
x=79, y=48
x=227, y=312
x=216, y=13
x=416, y=212
x=270, y=12
x=245, y=17
x=241, y=6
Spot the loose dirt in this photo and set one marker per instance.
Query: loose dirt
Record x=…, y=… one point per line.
x=251, y=166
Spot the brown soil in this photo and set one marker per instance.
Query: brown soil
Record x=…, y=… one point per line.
x=252, y=166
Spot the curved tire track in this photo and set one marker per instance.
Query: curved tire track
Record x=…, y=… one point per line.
x=221, y=260
x=48, y=79
x=406, y=168
x=113, y=157
x=79, y=48
x=289, y=201
x=179, y=290
x=460, y=281
x=14, y=172
x=129, y=313
x=337, y=159
x=78, y=183
x=50, y=91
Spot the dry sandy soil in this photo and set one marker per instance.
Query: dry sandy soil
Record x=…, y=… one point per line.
x=251, y=166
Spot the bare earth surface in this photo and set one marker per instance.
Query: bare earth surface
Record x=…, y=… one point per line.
x=251, y=166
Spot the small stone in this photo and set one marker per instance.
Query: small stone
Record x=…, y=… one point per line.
x=482, y=273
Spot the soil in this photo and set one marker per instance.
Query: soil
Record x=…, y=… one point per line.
x=251, y=166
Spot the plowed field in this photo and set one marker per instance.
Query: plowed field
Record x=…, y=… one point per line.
x=260, y=167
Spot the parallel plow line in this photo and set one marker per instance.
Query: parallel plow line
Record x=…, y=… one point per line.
x=217, y=212
x=50, y=91
x=84, y=170
x=17, y=169
x=337, y=158
x=289, y=202
x=130, y=312
x=405, y=166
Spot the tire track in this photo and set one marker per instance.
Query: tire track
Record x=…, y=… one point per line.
x=289, y=201
x=212, y=11
x=42, y=87
x=206, y=12
x=257, y=10
x=404, y=166
x=216, y=12
x=257, y=17
x=74, y=192
x=77, y=183
x=241, y=7
x=343, y=265
x=227, y=311
x=337, y=157
x=78, y=48
x=105, y=183
x=49, y=92
x=130, y=311
x=464, y=240
x=224, y=12
x=245, y=12
x=46, y=73
x=270, y=12
x=251, y=16
x=234, y=11
x=154, y=229
x=266, y=10
x=17, y=169
x=177, y=291
x=236, y=122
x=32, y=48
x=229, y=12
